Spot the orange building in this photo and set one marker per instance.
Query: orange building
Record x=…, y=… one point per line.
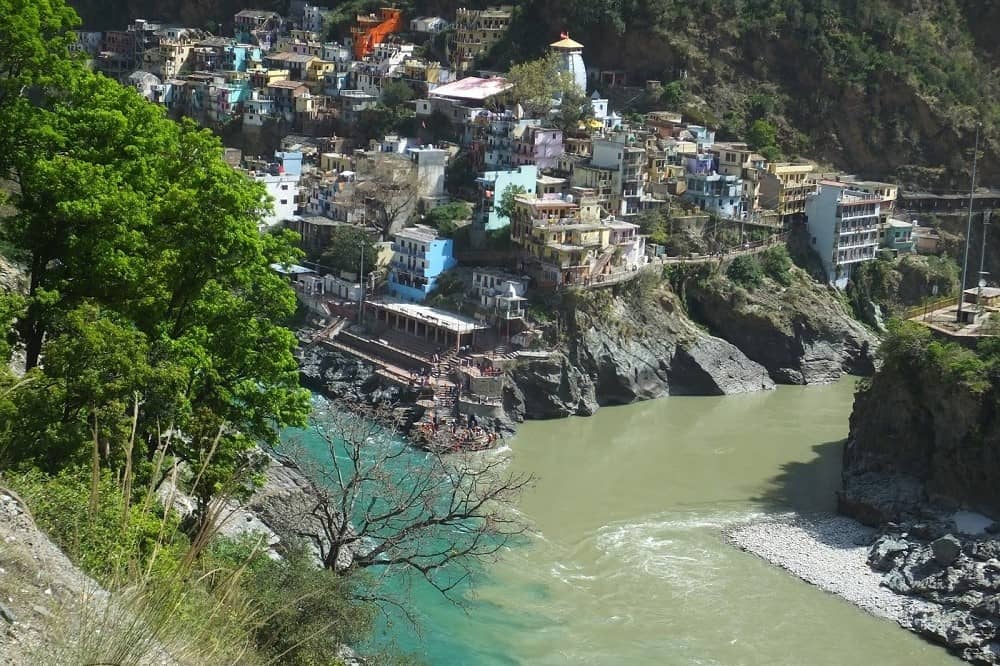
x=372, y=30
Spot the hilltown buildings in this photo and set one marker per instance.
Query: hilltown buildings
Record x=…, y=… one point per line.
x=843, y=226
x=476, y=31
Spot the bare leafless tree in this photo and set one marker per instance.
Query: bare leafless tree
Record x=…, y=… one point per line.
x=389, y=189
x=382, y=506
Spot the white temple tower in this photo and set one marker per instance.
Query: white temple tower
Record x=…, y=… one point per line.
x=571, y=59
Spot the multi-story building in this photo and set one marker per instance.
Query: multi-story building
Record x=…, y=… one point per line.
x=420, y=256
x=316, y=19
x=502, y=293
x=715, y=193
x=284, y=94
x=617, y=172
x=737, y=159
x=843, y=226
x=785, y=186
x=491, y=186
x=541, y=146
x=254, y=26
x=281, y=180
x=88, y=43
x=476, y=31
x=380, y=66
x=429, y=25
x=565, y=242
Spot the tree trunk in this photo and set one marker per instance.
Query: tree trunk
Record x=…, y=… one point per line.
x=33, y=329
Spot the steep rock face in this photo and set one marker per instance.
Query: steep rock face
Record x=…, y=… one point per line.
x=622, y=348
x=916, y=425
x=801, y=333
x=340, y=375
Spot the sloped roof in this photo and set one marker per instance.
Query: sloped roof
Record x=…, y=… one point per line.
x=566, y=43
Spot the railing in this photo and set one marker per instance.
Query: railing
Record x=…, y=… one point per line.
x=929, y=306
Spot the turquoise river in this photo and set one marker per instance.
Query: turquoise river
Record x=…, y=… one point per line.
x=627, y=564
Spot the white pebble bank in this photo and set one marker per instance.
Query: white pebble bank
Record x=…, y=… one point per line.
x=829, y=551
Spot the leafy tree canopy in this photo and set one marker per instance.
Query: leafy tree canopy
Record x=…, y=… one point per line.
x=343, y=252
x=150, y=291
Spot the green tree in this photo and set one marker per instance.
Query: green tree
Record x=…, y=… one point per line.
x=344, y=251
x=538, y=82
x=574, y=109
x=777, y=264
x=396, y=93
x=508, y=201
x=761, y=135
x=652, y=224
x=445, y=218
x=144, y=256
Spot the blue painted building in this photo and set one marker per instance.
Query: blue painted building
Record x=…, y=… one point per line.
x=240, y=57
x=420, y=256
x=492, y=185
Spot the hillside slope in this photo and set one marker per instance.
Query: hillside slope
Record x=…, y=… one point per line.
x=883, y=88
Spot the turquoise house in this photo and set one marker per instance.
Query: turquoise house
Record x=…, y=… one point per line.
x=898, y=236
x=492, y=185
x=420, y=256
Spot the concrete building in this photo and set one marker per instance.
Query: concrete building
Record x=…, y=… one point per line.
x=430, y=164
x=541, y=146
x=316, y=19
x=785, y=186
x=254, y=26
x=429, y=25
x=565, y=242
x=501, y=292
x=476, y=31
x=617, y=171
x=420, y=256
x=315, y=232
x=897, y=235
x=281, y=180
x=737, y=159
x=843, y=227
x=492, y=185
x=715, y=193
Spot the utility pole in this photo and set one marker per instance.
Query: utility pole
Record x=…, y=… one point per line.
x=968, y=229
x=982, y=264
x=361, y=282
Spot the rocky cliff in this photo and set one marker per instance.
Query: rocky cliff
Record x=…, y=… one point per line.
x=801, y=332
x=627, y=344
x=924, y=428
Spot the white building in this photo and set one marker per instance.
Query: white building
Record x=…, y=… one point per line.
x=843, y=227
x=428, y=24
x=281, y=180
x=570, y=54
x=315, y=19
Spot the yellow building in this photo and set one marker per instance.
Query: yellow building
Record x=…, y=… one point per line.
x=477, y=30
x=785, y=186
x=565, y=243
x=737, y=159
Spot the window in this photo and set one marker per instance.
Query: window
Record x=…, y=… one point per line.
x=284, y=202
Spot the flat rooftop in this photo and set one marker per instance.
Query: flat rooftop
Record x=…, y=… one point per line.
x=434, y=316
x=473, y=88
x=419, y=232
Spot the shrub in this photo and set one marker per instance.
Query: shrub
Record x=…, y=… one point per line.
x=776, y=264
x=746, y=271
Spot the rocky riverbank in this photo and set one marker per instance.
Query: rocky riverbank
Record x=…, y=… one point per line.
x=939, y=578
x=648, y=339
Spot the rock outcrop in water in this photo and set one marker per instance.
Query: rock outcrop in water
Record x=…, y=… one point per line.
x=801, y=332
x=924, y=443
x=624, y=346
x=924, y=428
